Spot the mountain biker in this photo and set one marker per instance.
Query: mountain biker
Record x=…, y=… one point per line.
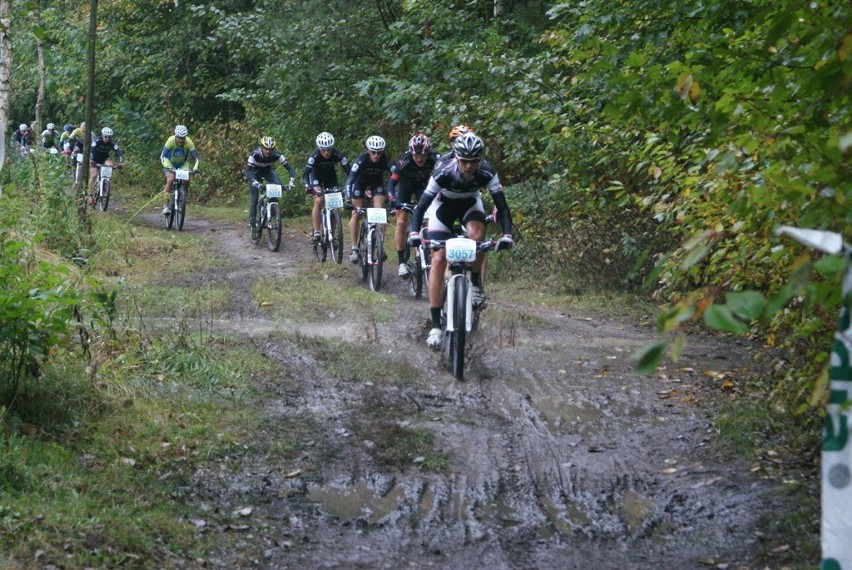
x=48, y=136
x=99, y=154
x=409, y=177
x=177, y=149
x=77, y=137
x=64, y=137
x=366, y=180
x=456, y=186
x=23, y=136
x=261, y=165
x=320, y=175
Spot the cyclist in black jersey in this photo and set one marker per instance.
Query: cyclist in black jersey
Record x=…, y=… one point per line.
x=23, y=136
x=455, y=186
x=99, y=154
x=409, y=177
x=320, y=174
x=261, y=165
x=366, y=181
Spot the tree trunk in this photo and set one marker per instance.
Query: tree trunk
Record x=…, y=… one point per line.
x=37, y=125
x=5, y=74
x=83, y=191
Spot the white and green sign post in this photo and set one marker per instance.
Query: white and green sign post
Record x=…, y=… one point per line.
x=836, y=445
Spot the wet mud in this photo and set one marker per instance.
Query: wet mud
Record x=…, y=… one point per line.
x=551, y=454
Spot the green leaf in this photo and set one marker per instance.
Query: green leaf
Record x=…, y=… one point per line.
x=721, y=318
x=649, y=357
x=748, y=305
x=830, y=265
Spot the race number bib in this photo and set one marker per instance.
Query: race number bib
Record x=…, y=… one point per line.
x=334, y=200
x=106, y=171
x=273, y=190
x=461, y=249
x=182, y=174
x=377, y=216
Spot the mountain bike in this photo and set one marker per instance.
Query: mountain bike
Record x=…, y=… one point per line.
x=371, y=245
x=420, y=263
x=102, y=185
x=269, y=215
x=836, y=441
x=177, y=208
x=331, y=236
x=459, y=314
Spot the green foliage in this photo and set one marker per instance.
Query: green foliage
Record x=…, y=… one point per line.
x=36, y=308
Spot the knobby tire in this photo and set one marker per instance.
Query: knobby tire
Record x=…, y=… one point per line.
x=180, y=207
x=377, y=254
x=273, y=236
x=336, y=236
x=103, y=199
x=457, y=337
x=364, y=267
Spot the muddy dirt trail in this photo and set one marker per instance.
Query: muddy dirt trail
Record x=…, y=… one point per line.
x=556, y=455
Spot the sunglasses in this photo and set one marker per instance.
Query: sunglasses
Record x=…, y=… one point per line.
x=375, y=152
x=469, y=160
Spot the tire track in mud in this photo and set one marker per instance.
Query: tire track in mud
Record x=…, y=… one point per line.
x=559, y=458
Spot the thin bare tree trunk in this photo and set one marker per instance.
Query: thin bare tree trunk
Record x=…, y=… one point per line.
x=83, y=190
x=5, y=73
x=41, y=76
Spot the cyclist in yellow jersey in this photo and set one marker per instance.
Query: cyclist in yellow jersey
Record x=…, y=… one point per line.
x=178, y=149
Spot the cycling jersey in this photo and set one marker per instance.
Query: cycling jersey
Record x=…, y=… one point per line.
x=257, y=161
x=101, y=149
x=23, y=138
x=367, y=174
x=459, y=197
x=48, y=138
x=320, y=171
x=174, y=155
x=408, y=179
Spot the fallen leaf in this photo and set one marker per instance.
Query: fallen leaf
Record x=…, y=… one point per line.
x=292, y=474
x=244, y=512
x=669, y=470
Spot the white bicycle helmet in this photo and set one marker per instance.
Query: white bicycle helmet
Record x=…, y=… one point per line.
x=106, y=132
x=375, y=143
x=23, y=127
x=50, y=126
x=325, y=140
x=181, y=131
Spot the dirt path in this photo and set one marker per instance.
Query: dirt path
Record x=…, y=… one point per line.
x=556, y=455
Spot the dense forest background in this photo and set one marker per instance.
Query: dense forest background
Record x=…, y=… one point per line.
x=640, y=142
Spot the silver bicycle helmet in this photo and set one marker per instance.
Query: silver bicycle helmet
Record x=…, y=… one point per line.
x=106, y=132
x=468, y=146
x=181, y=131
x=50, y=126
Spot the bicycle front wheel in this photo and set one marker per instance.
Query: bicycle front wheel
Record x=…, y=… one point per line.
x=362, y=252
x=103, y=198
x=260, y=220
x=456, y=338
x=273, y=236
x=415, y=283
x=336, y=236
x=180, y=206
x=377, y=251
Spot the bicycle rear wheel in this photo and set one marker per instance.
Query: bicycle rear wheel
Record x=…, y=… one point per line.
x=273, y=236
x=180, y=206
x=103, y=195
x=336, y=236
x=377, y=251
